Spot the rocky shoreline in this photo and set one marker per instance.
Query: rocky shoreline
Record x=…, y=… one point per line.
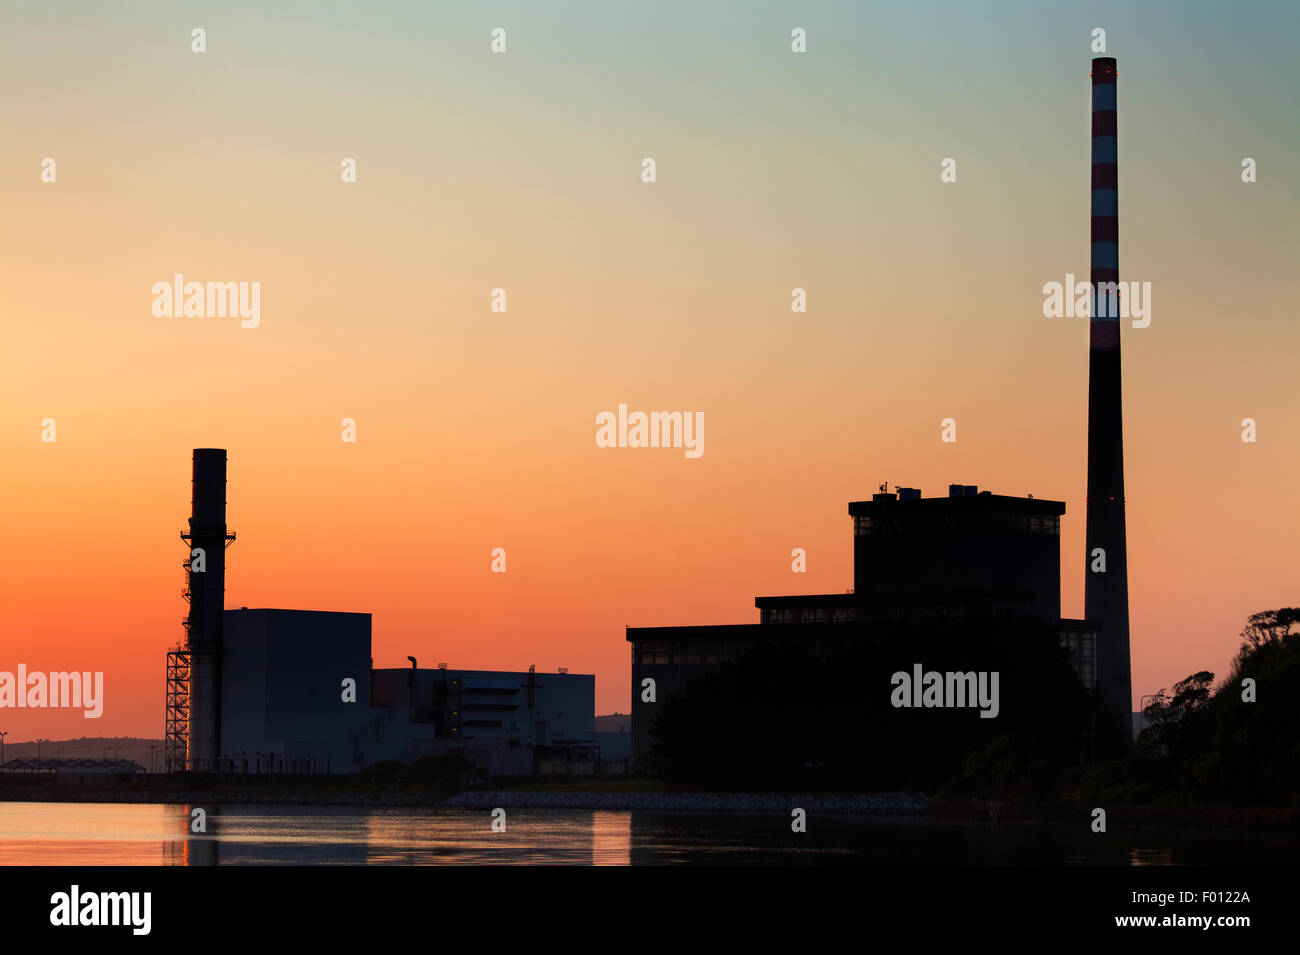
x=890, y=804
x=954, y=812
x=894, y=804
x=229, y=797
x=1235, y=818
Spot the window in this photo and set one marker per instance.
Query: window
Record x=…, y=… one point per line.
x=1083, y=656
x=655, y=651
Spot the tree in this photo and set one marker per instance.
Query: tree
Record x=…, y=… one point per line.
x=1269, y=628
x=1225, y=747
x=1166, y=712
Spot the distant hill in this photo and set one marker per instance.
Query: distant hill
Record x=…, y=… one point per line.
x=91, y=747
x=614, y=723
x=137, y=749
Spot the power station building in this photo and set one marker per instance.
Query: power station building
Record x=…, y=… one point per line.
x=940, y=559
x=265, y=690
x=916, y=560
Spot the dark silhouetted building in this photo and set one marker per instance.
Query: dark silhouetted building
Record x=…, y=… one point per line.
x=294, y=691
x=282, y=688
x=921, y=559
x=286, y=705
x=916, y=560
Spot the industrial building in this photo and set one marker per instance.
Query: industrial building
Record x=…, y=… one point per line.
x=268, y=690
x=503, y=721
x=937, y=559
x=916, y=560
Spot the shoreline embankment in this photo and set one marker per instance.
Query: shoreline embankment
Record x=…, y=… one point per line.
x=916, y=806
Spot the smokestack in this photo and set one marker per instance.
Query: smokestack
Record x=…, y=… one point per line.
x=207, y=539
x=1106, y=593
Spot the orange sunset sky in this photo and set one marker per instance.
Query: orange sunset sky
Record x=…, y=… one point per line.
x=522, y=171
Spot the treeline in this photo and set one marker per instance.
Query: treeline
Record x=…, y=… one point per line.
x=781, y=718
x=1238, y=744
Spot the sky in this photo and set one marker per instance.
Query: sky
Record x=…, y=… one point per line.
x=522, y=171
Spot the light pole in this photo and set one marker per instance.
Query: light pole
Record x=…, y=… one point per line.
x=39, y=741
x=2, y=746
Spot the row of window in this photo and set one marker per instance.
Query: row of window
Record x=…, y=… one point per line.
x=885, y=614
x=809, y=614
x=917, y=524
x=1083, y=659
x=669, y=651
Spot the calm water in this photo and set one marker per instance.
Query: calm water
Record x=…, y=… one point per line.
x=130, y=834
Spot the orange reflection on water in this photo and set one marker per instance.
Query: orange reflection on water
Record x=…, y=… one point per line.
x=85, y=834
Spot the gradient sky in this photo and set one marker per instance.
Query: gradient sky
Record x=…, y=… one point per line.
x=476, y=429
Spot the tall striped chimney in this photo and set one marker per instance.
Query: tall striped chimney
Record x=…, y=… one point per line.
x=1106, y=593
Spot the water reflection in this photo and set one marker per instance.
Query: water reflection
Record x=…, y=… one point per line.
x=86, y=834
x=611, y=838
x=1164, y=856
